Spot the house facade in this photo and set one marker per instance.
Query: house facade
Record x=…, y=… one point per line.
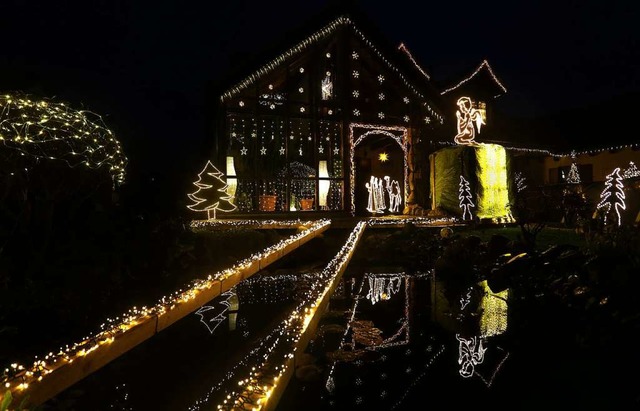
x=341, y=121
x=337, y=122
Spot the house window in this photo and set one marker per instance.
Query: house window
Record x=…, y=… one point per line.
x=481, y=106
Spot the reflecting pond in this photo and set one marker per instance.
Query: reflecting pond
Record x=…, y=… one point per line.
x=391, y=338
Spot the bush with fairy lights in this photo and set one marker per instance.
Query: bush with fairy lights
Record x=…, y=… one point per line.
x=35, y=131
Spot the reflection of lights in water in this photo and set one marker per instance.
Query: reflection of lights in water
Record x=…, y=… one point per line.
x=465, y=299
x=494, y=312
x=211, y=316
x=417, y=380
x=470, y=353
x=382, y=287
x=489, y=382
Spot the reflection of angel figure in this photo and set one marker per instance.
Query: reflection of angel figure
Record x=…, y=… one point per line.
x=470, y=354
x=467, y=115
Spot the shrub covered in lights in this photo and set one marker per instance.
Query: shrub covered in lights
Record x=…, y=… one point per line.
x=42, y=129
x=486, y=168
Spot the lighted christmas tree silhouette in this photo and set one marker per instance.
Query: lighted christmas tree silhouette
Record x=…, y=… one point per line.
x=574, y=176
x=631, y=171
x=609, y=202
x=211, y=194
x=465, y=198
x=521, y=182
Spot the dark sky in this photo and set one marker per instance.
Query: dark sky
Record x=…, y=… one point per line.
x=148, y=66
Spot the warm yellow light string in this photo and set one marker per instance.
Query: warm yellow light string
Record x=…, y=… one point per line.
x=48, y=130
x=266, y=374
x=19, y=377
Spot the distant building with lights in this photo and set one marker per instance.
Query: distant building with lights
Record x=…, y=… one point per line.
x=341, y=121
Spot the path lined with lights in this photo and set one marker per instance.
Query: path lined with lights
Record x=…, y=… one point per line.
x=58, y=370
x=265, y=384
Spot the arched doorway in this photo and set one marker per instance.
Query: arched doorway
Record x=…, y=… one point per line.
x=378, y=169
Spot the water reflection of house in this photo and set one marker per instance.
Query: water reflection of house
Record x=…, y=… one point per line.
x=306, y=128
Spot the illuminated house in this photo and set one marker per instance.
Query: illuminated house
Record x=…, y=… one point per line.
x=338, y=121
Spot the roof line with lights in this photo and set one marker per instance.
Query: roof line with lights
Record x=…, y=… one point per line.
x=404, y=49
x=633, y=146
x=307, y=42
x=484, y=63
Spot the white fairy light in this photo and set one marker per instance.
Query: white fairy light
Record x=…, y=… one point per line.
x=115, y=328
x=376, y=129
x=464, y=195
x=470, y=353
x=631, y=171
x=613, y=185
x=45, y=130
x=484, y=64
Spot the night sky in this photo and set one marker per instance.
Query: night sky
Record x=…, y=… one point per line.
x=151, y=69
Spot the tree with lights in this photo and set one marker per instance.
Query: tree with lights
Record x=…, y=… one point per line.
x=574, y=176
x=521, y=181
x=211, y=194
x=465, y=199
x=612, y=197
x=631, y=171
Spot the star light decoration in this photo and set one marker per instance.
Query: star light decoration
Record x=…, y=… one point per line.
x=314, y=39
x=43, y=130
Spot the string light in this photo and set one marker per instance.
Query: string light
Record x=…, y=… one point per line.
x=613, y=185
x=494, y=318
x=310, y=41
x=404, y=49
x=465, y=199
x=20, y=377
x=217, y=188
x=574, y=175
x=484, y=64
x=376, y=130
x=49, y=130
x=470, y=353
x=631, y=171
x=467, y=116
x=269, y=372
x=211, y=316
x=492, y=177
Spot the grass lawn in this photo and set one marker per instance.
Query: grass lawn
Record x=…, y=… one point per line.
x=547, y=237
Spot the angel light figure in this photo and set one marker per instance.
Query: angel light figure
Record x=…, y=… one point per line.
x=467, y=115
